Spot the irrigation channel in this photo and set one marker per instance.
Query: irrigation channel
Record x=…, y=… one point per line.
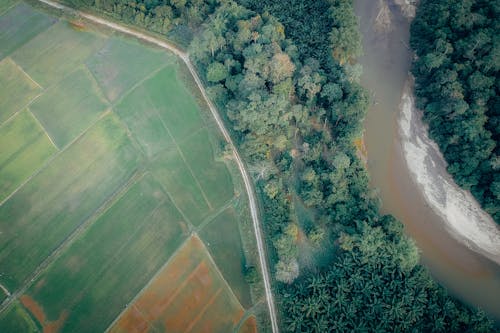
x=244, y=173
x=459, y=243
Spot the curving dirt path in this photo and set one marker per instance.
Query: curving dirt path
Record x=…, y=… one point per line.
x=244, y=173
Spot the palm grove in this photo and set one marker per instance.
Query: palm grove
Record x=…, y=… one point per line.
x=283, y=75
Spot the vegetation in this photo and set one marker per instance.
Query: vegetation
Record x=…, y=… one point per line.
x=295, y=112
x=457, y=86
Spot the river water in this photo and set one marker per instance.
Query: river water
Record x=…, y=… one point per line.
x=466, y=265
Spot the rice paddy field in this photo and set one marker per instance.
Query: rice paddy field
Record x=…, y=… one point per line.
x=118, y=211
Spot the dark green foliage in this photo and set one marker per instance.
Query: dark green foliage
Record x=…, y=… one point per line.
x=178, y=19
x=457, y=86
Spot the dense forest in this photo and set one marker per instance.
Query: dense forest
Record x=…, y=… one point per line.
x=286, y=83
x=458, y=87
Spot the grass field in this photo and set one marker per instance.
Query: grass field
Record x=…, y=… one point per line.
x=108, y=167
x=188, y=295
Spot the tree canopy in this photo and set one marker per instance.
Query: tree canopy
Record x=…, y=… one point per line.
x=457, y=86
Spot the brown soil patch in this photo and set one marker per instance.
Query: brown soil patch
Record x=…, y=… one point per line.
x=37, y=311
x=249, y=326
x=188, y=295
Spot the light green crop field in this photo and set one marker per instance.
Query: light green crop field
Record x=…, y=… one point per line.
x=107, y=165
x=17, y=89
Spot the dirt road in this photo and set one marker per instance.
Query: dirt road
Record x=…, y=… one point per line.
x=244, y=173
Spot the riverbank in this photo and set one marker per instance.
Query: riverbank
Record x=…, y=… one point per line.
x=460, y=212
x=466, y=273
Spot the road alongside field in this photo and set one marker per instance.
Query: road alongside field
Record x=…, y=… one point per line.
x=244, y=173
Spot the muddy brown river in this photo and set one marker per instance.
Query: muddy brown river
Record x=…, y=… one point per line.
x=467, y=261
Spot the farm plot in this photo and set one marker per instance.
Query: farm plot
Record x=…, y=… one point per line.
x=56, y=52
x=121, y=63
x=48, y=208
x=20, y=24
x=188, y=295
x=69, y=107
x=228, y=252
x=15, y=319
x=17, y=89
x=249, y=326
x=24, y=147
x=132, y=239
x=108, y=168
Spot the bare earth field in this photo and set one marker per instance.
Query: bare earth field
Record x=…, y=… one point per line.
x=109, y=170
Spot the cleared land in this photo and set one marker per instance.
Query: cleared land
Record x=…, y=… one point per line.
x=107, y=166
x=188, y=295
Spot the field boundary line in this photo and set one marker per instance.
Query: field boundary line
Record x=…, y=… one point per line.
x=244, y=173
x=24, y=72
x=138, y=84
x=219, y=273
x=55, y=254
x=210, y=218
x=151, y=326
x=43, y=128
x=10, y=7
x=26, y=106
x=179, y=150
x=5, y=290
x=148, y=284
x=93, y=81
x=171, y=198
x=247, y=314
x=203, y=310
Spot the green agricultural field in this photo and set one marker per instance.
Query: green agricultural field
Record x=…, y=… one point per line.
x=18, y=90
x=107, y=165
x=133, y=239
x=56, y=52
x=69, y=107
x=24, y=147
x=20, y=24
x=15, y=319
x=122, y=63
x=230, y=263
